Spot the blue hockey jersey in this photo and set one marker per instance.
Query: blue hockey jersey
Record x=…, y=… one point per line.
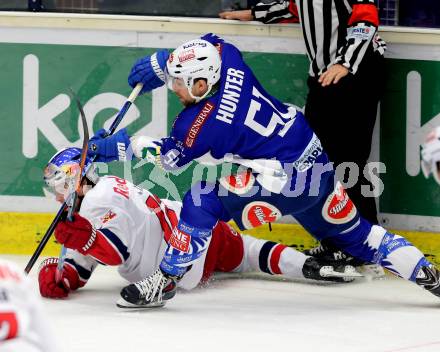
x=243, y=120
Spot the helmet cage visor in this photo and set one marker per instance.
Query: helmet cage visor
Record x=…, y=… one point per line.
x=61, y=179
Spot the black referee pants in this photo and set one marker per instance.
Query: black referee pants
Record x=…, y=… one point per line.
x=343, y=117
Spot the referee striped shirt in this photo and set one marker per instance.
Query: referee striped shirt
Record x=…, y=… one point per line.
x=335, y=31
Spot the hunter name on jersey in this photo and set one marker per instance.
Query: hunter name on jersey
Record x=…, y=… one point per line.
x=230, y=96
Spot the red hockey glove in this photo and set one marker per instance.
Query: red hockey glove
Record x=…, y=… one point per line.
x=46, y=279
x=79, y=234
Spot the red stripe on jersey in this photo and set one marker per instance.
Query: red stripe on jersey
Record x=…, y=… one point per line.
x=8, y=325
x=167, y=217
x=104, y=250
x=364, y=13
x=275, y=259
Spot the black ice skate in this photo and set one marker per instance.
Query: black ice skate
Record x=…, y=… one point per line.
x=152, y=292
x=429, y=278
x=327, y=252
x=318, y=269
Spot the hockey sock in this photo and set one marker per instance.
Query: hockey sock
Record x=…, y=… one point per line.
x=271, y=257
x=187, y=243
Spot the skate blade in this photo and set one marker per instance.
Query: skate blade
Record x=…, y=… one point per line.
x=349, y=273
x=122, y=303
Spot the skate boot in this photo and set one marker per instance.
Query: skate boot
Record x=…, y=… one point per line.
x=152, y=292
x=328, y=252
x=428, y=277
x=319, y=269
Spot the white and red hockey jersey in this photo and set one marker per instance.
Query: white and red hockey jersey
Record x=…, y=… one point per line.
x=23, y=325
x=133, y=226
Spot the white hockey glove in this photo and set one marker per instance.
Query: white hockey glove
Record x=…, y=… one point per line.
x=147, y=148
x=431, y=155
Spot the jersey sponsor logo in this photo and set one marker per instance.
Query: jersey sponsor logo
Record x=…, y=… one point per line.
x=309, y=155
x=183, y=259
x=198, y=123
x=259, y=213
x=230, y=96
x=238, y=184
x=186, y=228
x=108, y=216
x=360, y=33
x=186, y=55
x=121, y=187
x=361, y=30
x=338, y=208
x=180, y=240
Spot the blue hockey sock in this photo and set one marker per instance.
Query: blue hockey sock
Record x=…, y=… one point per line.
x=186, y=245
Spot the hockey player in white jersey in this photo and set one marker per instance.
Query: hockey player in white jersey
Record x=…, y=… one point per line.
x=121, y=224
x=23, y=325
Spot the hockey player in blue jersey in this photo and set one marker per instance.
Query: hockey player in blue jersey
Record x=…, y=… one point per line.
x=229, y=116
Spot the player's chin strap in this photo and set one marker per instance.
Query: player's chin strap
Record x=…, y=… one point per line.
x=197, y=99
x=212, y=89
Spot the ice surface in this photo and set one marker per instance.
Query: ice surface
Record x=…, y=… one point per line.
x=249, y=314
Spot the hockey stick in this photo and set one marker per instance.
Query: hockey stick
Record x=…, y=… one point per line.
x=79, y=177
x=58, y=216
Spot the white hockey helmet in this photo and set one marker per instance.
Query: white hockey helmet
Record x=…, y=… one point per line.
x=61, y=170
x=195, y=59
x=430, y=162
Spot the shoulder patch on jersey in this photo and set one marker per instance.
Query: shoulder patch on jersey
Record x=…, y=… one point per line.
x=259, y=213
x=338, y=208
x=198, y=123
x=108, y=216
x=238, y=184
